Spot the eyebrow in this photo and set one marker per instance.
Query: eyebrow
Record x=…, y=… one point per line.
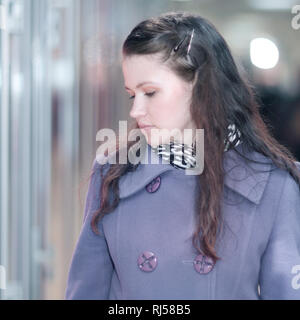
x=142, y=83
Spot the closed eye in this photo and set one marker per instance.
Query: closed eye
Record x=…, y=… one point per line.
x=150, y=94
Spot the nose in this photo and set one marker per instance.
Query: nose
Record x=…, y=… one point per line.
x=137, y=111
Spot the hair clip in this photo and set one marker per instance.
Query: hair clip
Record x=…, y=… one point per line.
x=179, y=44
x=189, y=47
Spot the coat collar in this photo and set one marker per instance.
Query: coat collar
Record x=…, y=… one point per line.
x=238, y=176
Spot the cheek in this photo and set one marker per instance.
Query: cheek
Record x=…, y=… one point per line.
x=160, y=110
x=171, y=111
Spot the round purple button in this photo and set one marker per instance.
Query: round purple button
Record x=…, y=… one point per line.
x=147, y=261
x=154, y=185
x=203, y=264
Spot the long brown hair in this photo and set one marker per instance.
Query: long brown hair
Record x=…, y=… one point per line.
x=221, y=96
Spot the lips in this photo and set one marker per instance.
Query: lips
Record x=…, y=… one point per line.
x=142, y=126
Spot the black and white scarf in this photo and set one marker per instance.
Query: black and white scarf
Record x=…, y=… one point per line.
x=182, y=156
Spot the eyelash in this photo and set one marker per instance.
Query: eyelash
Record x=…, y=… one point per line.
x=150, y=94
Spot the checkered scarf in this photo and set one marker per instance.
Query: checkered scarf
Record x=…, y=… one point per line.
x=182, y=156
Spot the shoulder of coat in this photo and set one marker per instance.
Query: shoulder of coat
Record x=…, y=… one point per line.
x=250, y=178
x=247, y=172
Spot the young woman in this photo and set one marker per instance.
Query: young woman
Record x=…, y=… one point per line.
x=150, y=231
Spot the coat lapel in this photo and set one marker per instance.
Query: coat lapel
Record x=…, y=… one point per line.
x=144, y=174
x=239, y=174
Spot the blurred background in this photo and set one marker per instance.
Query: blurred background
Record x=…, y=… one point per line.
x=61, y=81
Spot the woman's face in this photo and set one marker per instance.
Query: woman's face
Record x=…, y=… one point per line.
x=160, y=98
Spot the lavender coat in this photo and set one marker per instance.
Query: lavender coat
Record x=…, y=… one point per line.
x=260, y=248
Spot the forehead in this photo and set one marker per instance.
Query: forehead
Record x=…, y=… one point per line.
x=139, y=60
x=139, y=68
